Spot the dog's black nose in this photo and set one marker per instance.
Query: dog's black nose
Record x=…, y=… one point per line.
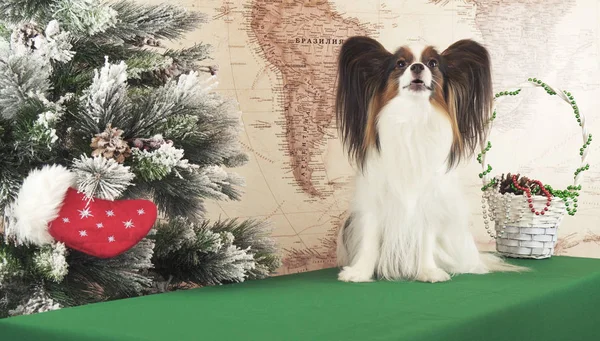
x=417, y=68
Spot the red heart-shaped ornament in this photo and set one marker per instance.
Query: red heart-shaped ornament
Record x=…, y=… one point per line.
x=102, y=228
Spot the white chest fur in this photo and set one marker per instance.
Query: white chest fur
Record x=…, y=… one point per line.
x=407, y=176
x=415, y=141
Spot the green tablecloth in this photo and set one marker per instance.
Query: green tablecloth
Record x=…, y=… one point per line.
x=558, y=300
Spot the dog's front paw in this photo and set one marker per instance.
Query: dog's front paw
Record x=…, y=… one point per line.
x=351, y=274
x=433, y=275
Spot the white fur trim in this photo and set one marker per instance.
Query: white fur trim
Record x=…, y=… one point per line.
x=38, y=203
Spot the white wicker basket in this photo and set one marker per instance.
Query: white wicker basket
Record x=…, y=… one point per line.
x=519, y=232
x=524, y=234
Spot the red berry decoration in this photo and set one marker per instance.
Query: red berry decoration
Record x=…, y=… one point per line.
x=527, y=192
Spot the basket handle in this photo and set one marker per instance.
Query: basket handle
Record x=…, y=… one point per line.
x=565, y=96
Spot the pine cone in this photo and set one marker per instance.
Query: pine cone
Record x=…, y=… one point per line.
x=111, y=145
x=506, y=184
x=26, y=35
x=150, y=144
x=143, y=41
x=168, y=73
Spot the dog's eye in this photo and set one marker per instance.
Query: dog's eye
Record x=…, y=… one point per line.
x=432, y=63
x=401, y=64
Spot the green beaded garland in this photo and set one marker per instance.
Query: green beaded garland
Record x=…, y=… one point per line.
x=571, y=193
x=585, y=145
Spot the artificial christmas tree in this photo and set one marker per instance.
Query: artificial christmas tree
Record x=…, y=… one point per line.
x=86, y=90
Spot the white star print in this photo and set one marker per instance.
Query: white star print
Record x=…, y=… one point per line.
x=111, y=239
x=110, y=213
x=83, y=233
x=85, y=213
x=128, y=224
x=99, y=225
x=66, y=220
x=141, y=211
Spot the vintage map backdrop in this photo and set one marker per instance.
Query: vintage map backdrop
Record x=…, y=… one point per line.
x=277, y=59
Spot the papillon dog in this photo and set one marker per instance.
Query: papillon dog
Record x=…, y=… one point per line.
x=407, y=119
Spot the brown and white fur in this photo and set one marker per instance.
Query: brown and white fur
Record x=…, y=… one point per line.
x=407, y=118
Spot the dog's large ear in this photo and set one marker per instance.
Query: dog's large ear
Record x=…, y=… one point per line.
x=469, y=95
x=362, y=67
